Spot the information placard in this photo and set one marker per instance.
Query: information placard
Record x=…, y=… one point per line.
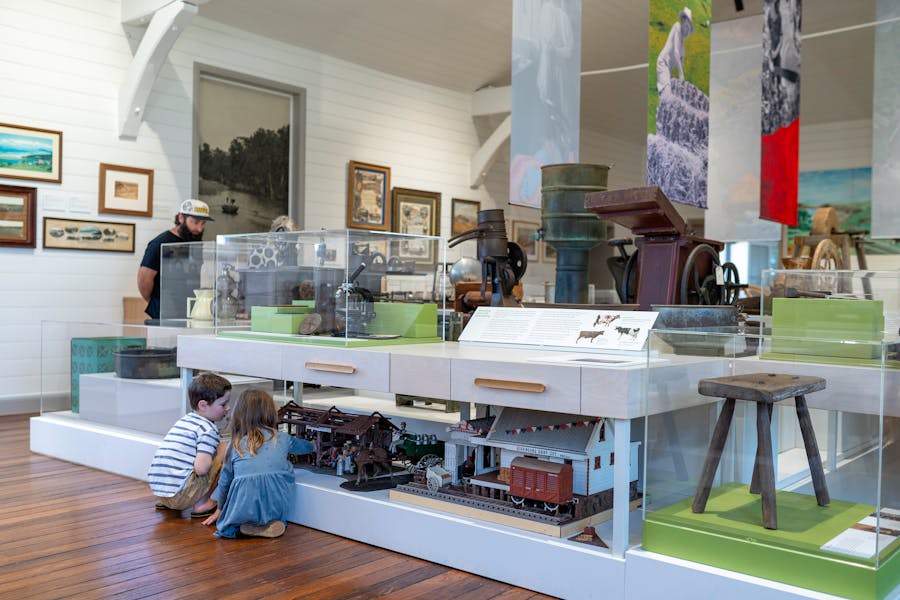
x=578, y=329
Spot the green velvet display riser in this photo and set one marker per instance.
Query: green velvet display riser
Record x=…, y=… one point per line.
x=730, y=535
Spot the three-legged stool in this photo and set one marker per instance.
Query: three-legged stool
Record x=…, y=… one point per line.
x=765, y=389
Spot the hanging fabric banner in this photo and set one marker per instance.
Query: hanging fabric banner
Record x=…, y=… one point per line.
x=678, y=104
x=734, y=135
x=780, y=151
x=546, y=92
x=886, y=122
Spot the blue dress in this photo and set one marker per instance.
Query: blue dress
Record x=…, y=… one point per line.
x=257, y=489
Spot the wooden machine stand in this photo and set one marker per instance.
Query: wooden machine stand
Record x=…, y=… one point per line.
x=673, y=267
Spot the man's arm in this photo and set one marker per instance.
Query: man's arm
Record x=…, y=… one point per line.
x=145, y=278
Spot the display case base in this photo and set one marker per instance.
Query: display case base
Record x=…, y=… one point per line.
x=730, y=535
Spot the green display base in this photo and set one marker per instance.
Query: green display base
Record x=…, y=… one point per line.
x=730, y=535
x=830, y=360
x=323, y=340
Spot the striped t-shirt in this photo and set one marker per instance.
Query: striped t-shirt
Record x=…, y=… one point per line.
x=173, y=463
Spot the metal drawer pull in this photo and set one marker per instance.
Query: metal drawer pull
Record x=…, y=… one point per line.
x=516, y=386
x=316, y=366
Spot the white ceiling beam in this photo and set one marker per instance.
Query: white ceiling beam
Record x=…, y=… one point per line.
x=485, y=156
x=492, y=101
x=139, y=12
x=166, y=24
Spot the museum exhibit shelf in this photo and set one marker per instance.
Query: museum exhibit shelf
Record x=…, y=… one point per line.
x=112, y=382
x=821, y=508
x=332, y=288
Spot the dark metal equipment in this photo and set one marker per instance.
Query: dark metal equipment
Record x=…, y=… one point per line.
x=673, y=266
x=568, y=227
x=503, y=263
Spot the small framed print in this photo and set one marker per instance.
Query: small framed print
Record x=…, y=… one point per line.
x=417, y=213
x=368, y=202
x=76, y=234
x=30, y=153
x=18, y=206
x=464, y=216
x=126, y=190
x=524, y=233
x=548, y=253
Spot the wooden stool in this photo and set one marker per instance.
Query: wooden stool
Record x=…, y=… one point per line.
x=765, y=389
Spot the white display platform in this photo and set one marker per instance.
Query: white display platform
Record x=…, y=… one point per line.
x=548, y=565
x=67, y=436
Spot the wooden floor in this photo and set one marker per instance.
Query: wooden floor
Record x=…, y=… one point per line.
x=70, y=531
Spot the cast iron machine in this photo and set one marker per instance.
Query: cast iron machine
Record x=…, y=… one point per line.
x=503, y=263
x=673, y=266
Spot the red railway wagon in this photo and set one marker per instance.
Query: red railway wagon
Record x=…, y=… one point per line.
x=540, y=481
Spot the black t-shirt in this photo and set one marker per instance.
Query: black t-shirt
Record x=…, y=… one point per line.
x=151, y=260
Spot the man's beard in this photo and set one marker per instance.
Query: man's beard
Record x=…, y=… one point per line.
x=186, y=234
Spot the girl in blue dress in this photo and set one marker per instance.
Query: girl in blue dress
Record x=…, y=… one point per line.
x=256, y=484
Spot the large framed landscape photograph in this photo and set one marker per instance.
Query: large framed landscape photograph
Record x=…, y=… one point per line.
x=77, y=234
x=18, y=206
x=30, y=153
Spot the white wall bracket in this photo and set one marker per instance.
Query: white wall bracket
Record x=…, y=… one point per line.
x=166, y=22
x=486, y=102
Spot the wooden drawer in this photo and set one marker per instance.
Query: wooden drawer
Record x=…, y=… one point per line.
x=554, y=388
x=340, y=367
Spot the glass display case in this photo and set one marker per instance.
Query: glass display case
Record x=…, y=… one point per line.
x=186, y=282
x=343, y=287
x=783, y=469
x=124, y=376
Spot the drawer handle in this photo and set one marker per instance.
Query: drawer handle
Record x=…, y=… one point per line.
x=329, y=368
x=516, y=386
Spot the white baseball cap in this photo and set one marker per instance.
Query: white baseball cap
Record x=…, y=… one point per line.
x=195, y=208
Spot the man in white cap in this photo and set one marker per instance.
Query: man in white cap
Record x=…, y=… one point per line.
x=672, y=55
x=190, y=220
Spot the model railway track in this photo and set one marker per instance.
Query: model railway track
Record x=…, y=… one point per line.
x=498, y=506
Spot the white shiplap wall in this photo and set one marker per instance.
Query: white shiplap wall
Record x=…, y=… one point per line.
x=61, y=63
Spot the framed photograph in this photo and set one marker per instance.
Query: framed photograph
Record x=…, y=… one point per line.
x=548, y=253
x=18, y=206
x=523, y=233
x=30, y=153
x=76, y=234
x=464, y=215
x=126, y=190
x=418, y=213
x=368, y=202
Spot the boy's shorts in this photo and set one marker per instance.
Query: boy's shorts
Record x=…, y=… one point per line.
x=196, y=487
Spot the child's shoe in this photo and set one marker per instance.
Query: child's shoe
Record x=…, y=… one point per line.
x=272, y=529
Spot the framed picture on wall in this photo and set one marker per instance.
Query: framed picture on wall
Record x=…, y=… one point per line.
x=18, y=206
x=126, y=190
x=30, y=153
x=464, y=215
x=524, y=234
x=368, y=200
x=419, y=213
x=77, y=234
x=548, y=253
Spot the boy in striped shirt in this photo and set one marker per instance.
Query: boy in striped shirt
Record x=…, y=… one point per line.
x=185, y=469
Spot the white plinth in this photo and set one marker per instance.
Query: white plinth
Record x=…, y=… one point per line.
x=548, y=565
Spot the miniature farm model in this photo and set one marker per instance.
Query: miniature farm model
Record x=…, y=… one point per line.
x=540, y=471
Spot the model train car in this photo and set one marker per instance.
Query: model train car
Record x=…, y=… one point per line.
x=540, y=482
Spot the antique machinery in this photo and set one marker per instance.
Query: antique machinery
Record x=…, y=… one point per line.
x=673, y=266
x=503, y=263
x=568, y=227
